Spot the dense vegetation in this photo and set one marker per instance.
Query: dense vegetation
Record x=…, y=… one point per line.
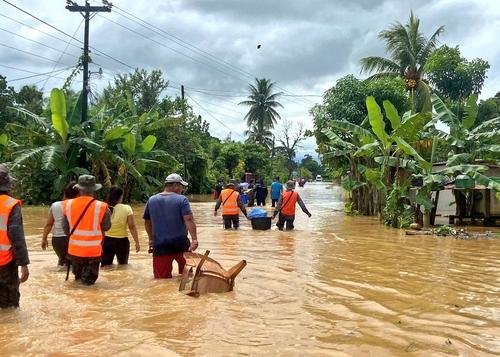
x=380, y=133
x=135, y=136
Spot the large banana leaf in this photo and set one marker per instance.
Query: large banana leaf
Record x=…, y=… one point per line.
x=422, y=198
x=392, y=114
x=459, y=159
x=377, y=121
x=58, y=110
x=350, y=184
x=413, y=126
x=393, y=162
x=336, y=153
x=129, y=143
x=410, y=151
x=486, y=181
x=40, y=122
x=147, y=144
x=470, y=112
x=442, y=112
x=29, y=154
x=116, y=133
x=463, y=169
x=492, y=124
x=53, y=153
x=76, y=113
x=351, y=128
x=367, y=150
x=337, y=140
x=4, y=139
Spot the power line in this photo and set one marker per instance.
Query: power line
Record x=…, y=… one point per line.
x=38, y=75
x=170, y=48
x=63, y=53
x=37, y=42
x=27, y=52
x=38, y=30
x=214, y=117
x=227, y=64
x=68, y=35
x=177, y=40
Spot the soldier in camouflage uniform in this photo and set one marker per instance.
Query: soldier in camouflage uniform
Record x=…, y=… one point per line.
x=13, y=251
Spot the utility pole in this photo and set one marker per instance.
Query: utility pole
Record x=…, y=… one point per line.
x=184, y=129
x=85, y=11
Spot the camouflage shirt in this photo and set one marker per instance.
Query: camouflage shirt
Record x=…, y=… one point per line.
x=15, y=231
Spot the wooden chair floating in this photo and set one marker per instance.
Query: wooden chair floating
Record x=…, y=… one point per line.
x=209, y=276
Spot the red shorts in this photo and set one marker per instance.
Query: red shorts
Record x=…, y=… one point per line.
x=162, y=265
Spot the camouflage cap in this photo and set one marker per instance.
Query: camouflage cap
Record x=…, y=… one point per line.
x=290, y=185
x=231, y=183
x=7, y=182
x=87, y=183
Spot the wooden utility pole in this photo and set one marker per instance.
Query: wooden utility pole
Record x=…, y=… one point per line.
x=85, y=11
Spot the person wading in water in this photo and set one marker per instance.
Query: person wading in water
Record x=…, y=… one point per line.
x=231, y=205
x=116, y=239
x=167, y=219
x=286, y=207
x=13, y=251
x=85, y=220
x=55, y=224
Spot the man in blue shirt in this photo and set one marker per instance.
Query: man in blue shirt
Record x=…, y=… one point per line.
x=168, y=219
x=276, y=190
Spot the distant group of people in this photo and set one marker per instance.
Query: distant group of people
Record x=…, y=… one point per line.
x=285, y=202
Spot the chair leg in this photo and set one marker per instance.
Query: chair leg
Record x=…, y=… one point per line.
x=185, y=277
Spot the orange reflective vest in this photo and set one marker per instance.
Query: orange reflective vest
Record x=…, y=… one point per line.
x=7, y=203
x=86, y=240
x=229, y=199
x=288, y=202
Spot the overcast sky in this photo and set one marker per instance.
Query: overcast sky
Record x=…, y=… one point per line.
x=305, y=46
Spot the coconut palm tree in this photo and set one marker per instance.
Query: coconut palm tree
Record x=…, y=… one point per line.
x=262, y=115
x=263, y=137
x=408, y=51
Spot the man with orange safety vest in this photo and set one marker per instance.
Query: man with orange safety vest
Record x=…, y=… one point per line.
x=85, y=220
x=231, y=205
x=286, y=207
x=13, y=251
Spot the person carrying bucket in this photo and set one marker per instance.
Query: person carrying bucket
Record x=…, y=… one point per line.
x=231, y=205
x=286, y=207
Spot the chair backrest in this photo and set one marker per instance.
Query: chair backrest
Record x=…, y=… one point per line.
x=209, y=275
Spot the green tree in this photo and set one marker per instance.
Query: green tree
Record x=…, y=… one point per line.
x=311, y=165
x=7, y=95
x=488, y=109
x=143, y=88
x=408, y=51
x=454, y=77
x=30, y=98
x=256, y=159
x=231, y=154
x=346, y=101
x=262, y=115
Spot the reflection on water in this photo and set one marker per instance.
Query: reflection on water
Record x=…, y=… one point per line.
x=336, y=286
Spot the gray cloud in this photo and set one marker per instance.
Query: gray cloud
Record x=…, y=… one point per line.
x=306, y=45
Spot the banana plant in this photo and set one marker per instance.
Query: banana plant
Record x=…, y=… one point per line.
x=467, y=143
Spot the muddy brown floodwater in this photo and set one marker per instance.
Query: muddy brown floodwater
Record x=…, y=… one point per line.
x=336, y=286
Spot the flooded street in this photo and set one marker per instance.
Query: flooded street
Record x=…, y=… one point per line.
x=336, y=285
